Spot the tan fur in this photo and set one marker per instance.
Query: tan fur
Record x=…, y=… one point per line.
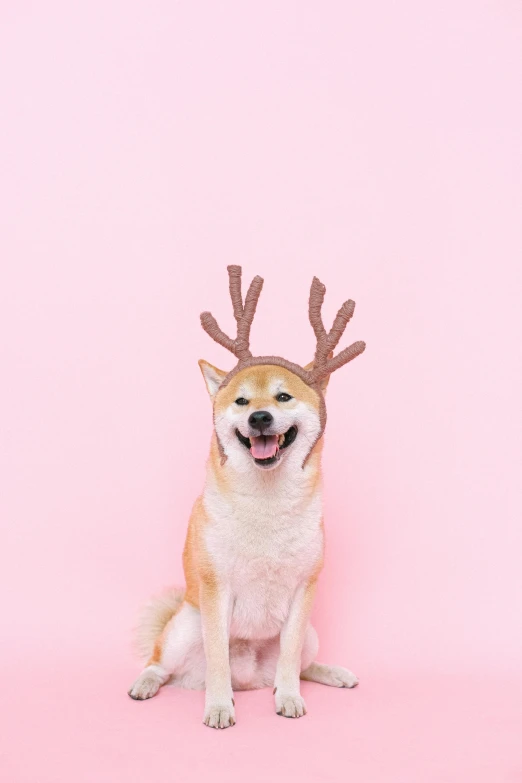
x=154, y=616
x=191, y=559
x=259, y=377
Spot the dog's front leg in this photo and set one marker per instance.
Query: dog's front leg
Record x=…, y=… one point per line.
x=215, y=612
x=288, y=699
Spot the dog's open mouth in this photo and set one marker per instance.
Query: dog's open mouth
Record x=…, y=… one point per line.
x=265, y=448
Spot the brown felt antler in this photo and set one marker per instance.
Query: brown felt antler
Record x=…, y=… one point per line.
x=324, y=362
x=327, y=341
x=244, y=315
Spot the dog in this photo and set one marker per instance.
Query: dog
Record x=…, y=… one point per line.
x=255, y=540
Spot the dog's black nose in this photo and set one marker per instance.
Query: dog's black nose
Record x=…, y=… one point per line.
x=260, y=419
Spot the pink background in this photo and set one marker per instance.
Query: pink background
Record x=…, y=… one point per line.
x=143, y=147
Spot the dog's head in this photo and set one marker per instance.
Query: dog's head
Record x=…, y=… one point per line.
x=267, y=405
x=265, y=414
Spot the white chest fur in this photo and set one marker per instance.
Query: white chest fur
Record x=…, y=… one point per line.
x=263, y=542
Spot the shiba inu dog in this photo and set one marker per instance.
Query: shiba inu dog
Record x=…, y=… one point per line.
x=254, y=546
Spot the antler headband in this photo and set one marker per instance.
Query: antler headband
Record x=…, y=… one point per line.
x=324, y=363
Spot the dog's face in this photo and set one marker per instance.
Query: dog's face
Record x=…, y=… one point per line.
x=264, y=416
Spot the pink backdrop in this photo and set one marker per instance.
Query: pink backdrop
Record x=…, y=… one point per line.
x=145, y=145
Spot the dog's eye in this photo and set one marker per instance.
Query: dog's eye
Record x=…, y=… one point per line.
x=283, y=397
x=241, y=401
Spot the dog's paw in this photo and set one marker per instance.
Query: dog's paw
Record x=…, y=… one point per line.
x=342, y=678
x=336, y=676
x=289, y=705
x=219, y=716
x=146, y=686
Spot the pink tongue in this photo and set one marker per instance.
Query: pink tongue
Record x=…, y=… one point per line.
x=263, y=446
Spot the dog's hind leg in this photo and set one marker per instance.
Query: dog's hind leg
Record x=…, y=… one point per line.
x=149, y=682
x=336, y=676
x=178, y=653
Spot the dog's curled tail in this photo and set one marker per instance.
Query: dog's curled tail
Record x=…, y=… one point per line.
x=153, y=618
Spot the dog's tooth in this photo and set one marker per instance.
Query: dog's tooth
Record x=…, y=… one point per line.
x=281, y=440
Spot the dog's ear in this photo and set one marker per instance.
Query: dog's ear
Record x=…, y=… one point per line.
x=213, y=377
x=324, y=382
